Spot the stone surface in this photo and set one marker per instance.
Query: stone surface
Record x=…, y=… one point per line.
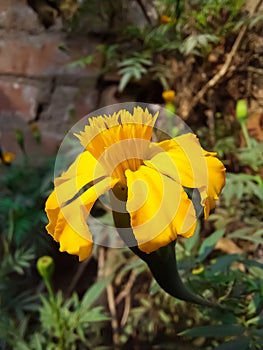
x=68, y=105
x=61, y=104
x=16, y=15
x=86, y=102
x=19, y=99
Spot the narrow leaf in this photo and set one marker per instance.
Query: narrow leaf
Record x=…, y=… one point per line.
x=94, y=292
x=241, y=343
x=219, y=331
x=124, y=81
x=208, y=244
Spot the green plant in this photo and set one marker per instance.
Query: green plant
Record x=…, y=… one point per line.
x=22, y=192
x=67, y=323
x=83, y=62
x=62, y=324
x=133, y=68
x=21, y=201
x=199, y=44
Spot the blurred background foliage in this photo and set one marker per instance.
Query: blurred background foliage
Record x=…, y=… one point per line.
x=110, y=300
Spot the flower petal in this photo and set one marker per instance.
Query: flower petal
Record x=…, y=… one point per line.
x=159, y=209
x=216, y=181
x=102, y=132
x=180, y=158
x=68, y=223
x=84, y=170
x=185, y=161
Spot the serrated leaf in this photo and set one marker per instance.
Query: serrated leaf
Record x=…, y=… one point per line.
x=95, y=315
x=36, y=341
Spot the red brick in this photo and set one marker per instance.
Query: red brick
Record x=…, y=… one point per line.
x=30, y=55
x=39, y=56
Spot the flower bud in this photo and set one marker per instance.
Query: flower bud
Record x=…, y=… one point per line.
x=45, y=267
x=168, y=96
x=241, y=110
x=20, y=139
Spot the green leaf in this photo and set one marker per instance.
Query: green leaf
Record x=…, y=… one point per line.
x=36, y=341
x=249, y=263
x=241, y=343
x=219, y=331
x=189, y=44
x=256, y=18
x=223, y=262
x=208, y=244
x=191, y=242
x=95, y=315
x=82, y=62
x=124, y=81
x=94, y=292
x=252, y=238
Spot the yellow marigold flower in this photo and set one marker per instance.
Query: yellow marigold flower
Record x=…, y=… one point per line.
x=146, y=179
x=7, y=157
x=168, y=96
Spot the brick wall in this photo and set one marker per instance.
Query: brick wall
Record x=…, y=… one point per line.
x=37, y=87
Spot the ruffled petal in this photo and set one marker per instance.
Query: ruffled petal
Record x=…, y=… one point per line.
x=68, y=224
x=84, y=170
x=180, y=158
x=185, y=161
x=216, y=181
x=52, y=210
x=159, y=209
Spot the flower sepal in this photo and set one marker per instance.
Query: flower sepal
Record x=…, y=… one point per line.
x=163, y=266
x=162, y=263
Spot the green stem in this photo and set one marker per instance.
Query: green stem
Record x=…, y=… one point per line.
x=49, y=289
x=245, y=133
x=161, y=262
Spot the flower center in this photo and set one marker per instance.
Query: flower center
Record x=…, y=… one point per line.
x=119, y=171
x=120, y=141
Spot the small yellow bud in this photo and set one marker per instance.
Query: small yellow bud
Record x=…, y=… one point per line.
x=198, y=270
x=6, y=157
x=166, y=19
x=168, y=96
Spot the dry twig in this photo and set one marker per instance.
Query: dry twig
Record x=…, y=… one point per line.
x=127, y=288
x=143, y=8
x=224, y=69
x=126, y=294
x=104, y=271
